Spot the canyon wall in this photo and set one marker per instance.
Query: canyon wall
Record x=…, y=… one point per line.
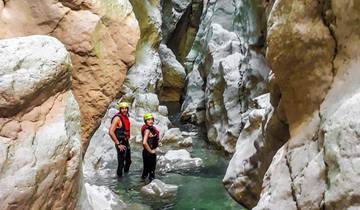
x=100, y=35
x=225, y=69
x=311, y=50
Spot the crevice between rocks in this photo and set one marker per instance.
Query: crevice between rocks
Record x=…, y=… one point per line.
x=6, y=160
x=59, y=22
x=293, y=193
x=329, y=19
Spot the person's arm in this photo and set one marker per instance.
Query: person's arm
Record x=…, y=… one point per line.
x=146, y=145
x=115, y=124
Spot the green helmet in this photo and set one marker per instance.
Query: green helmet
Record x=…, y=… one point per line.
x=123, y=105
x=148, y=116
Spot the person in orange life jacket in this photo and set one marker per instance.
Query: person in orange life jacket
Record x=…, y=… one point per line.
x=151, y=140
x=120, y=134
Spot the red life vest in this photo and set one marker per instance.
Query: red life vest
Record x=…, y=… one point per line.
x=125, y=124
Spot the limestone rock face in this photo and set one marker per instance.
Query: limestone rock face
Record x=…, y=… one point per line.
x=179, y=36
x=193, y=107
x=316, y=168
x=156, y=75
x=100, y=35
x=262, y=136
x=172, y=11
x=173, y=75
x=314, y=53
x=225, y=74
x=40, y=146
x=145, y=78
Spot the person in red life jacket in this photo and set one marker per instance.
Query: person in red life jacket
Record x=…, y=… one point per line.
x=120, y=134
x=151, y=138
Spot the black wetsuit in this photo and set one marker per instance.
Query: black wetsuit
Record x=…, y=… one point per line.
x=149, y=160
x=123, y=157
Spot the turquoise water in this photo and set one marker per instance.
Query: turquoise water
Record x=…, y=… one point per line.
x=198, y=190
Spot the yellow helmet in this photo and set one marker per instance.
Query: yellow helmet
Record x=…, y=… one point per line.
x=148, y=116
x=123, y=105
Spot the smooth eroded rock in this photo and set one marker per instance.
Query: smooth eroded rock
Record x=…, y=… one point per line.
x=101, y=37
x=178, y=160
x=40, y=145
x=159, y=190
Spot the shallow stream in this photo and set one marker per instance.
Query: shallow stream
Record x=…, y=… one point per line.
x=198, y=189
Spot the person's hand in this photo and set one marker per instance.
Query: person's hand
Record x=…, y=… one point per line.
x=160, y=144
x=153, y=151
x=121, y=147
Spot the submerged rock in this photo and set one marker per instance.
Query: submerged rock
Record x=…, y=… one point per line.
x=178, y=160
x=159, y=190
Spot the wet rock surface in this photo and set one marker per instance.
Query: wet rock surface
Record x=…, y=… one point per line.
x=178, y=160
x=159, y=190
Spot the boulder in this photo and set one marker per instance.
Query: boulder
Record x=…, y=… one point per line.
x=173, y=135
x=178, y=160
x=31, y=69
x=159, y=190
x=163, y=110
x=187, y=142
x=99, y=197
x=40, y=142
x=173, y=75
x=101, y=37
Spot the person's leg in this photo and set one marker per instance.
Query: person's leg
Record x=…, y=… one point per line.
x=127, y=160
x=152, y=167
x=120, y=157
x=145, y=165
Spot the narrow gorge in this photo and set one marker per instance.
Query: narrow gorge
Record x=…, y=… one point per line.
x=257, y=103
